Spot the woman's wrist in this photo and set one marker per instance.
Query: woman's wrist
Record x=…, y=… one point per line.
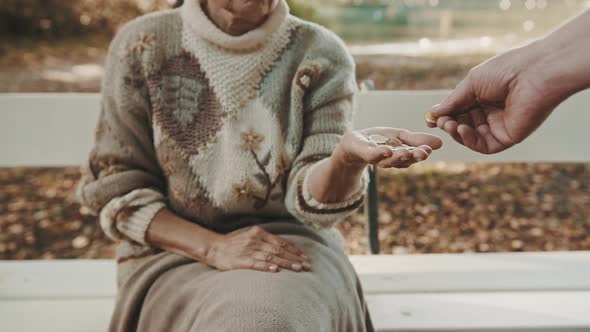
x=175, y=234
x=558, y=61
x=335, y=178
x=339, y=160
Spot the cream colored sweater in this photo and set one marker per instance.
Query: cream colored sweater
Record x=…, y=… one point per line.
x=222, y=130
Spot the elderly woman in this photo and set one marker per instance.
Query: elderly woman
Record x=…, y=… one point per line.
x=223, y=157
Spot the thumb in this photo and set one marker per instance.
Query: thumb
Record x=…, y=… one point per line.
x=460, y=101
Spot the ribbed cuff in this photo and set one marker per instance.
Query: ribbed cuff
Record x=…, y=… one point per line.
x=324, y=215
x=136, y=225
x=143, y=204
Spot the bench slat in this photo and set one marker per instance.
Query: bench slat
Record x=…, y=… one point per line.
x=47, y=129
x=474, y=272
x=506, y=311
x=43, y=315
x=379, y=274
x=57, y=279
x=404, y=292
x=57, y=129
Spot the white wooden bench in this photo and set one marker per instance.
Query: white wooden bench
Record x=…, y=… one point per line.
x=440, y=292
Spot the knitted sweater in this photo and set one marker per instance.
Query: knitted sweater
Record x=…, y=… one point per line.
x=222, y=130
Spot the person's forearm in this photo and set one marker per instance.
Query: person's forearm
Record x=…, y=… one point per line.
x=173, y=233
x=564, y=62
x=334, y=180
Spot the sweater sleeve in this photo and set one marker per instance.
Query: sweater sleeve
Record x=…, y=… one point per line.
x=122, y=181
x=328, y=84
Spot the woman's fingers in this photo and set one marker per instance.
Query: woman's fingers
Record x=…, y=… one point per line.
x=397, y=157
x=264, y=256
x=421, y=153
x=374, y=155
x=426, y=149
x=417, y=139
x=260, y=265
x=404, y=158
x=367, y=150
x=283, y=253
x=285, y=244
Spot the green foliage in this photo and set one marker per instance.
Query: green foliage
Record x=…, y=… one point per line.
x=50, y=19
x=305, y=10
x=59, y=18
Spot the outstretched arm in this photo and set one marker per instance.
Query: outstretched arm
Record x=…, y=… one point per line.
x=505, y=99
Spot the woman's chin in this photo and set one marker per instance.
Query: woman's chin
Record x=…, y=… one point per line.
x=239, y=29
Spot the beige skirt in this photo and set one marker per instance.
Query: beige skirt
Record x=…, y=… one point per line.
x=167, y=292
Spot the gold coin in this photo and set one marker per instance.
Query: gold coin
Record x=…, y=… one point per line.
x=393, y=142
x=430, y=118
x=379, y=139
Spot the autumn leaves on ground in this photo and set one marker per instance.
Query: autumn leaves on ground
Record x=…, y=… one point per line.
x=426, y=209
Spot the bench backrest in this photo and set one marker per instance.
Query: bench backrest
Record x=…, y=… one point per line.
x=57, y=129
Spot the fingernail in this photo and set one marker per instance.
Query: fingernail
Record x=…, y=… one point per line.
x=272, y=267
x=307, y=266
x=419, y=159
x=404, y=159
x=296, y=266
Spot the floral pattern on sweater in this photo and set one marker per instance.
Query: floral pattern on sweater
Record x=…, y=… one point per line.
x=165, y=136
x=251, y=143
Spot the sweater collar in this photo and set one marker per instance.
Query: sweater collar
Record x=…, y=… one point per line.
x=199, y=24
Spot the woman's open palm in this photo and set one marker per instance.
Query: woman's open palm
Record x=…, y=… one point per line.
x=357, y=147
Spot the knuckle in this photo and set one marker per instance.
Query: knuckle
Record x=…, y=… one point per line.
x=268, y=257
x=388, y=162
x=253, y=243
x=253, y=264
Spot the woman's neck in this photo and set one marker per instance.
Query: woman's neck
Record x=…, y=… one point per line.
x=225, y=21
x=203, y=21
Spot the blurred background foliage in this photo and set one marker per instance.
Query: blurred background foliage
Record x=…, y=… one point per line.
x=54, y=19
x=57, y=18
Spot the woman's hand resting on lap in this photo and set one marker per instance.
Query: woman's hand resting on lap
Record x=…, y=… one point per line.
x=256, y=249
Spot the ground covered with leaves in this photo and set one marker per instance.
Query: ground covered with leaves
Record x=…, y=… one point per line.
x=430, y=208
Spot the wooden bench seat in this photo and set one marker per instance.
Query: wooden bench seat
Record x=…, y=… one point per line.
x=442, y=292
x=439, y=292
